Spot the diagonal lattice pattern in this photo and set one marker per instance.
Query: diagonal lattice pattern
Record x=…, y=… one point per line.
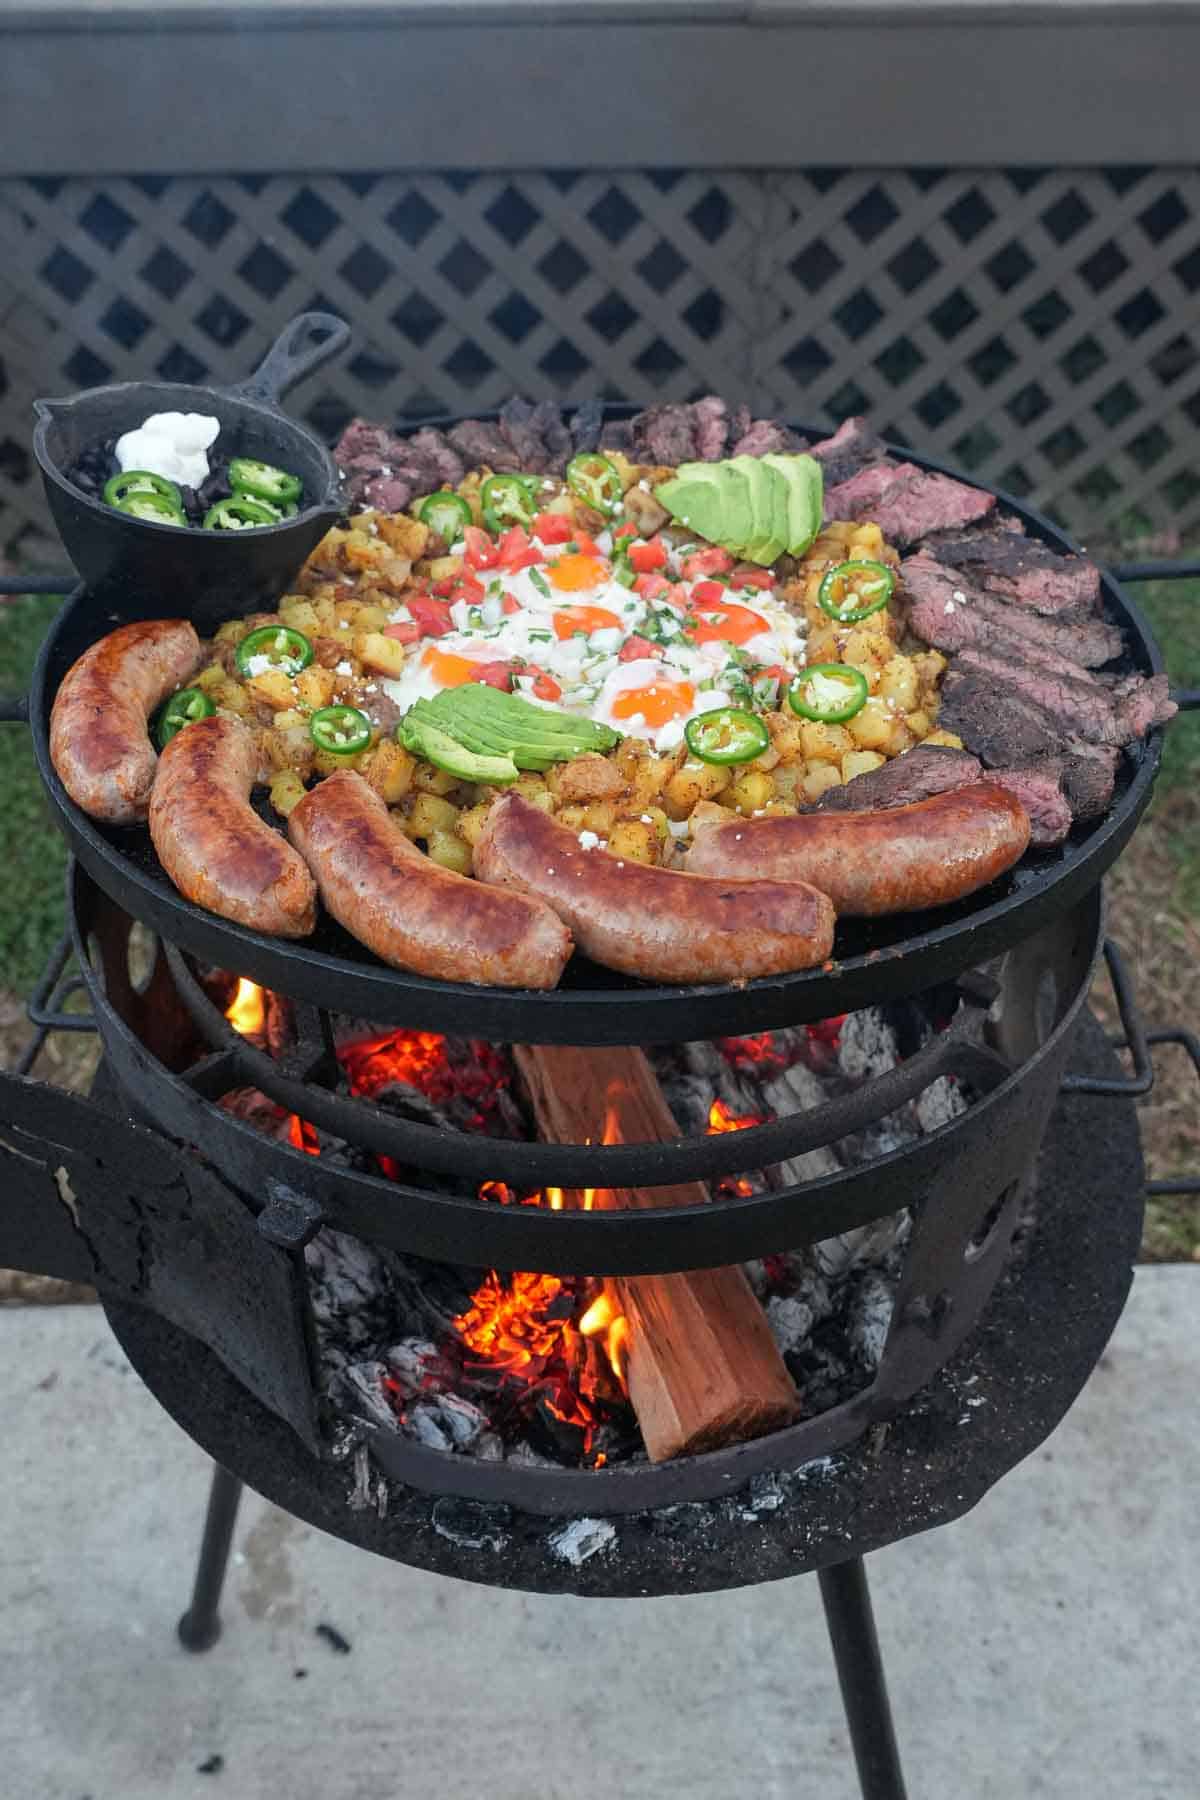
x=1038, y=327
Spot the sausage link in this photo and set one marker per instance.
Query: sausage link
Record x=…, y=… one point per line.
x=98, y=738
x=212, y=843
x=902, y=860
x=408, y=910
x=655, y=923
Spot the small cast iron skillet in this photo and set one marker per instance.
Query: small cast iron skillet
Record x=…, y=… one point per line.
x=206, y=576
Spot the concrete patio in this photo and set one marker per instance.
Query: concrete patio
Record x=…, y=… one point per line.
x=1045, y=1645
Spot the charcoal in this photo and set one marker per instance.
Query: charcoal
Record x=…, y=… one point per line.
x=872, y=1315
x=581, y=1539
x=790, y=1320
x=472, y=1524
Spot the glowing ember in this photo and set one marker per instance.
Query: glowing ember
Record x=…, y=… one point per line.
x=516, y=1321
x=721, y=1119
x=303, y=1135
x=247, y=1011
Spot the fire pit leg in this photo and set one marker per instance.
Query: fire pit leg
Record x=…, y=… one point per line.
x=851, y=1625
x=200, y=1626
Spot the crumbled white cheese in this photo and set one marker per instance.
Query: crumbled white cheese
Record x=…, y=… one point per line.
x=171, y=444
x=646, y=819
x=589, y=840
x=258, y=665
x=949, y=606
x=959, y=596
x=344, y=668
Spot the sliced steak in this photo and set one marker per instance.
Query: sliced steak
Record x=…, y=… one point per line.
x=852, y=446
x=436, y=446
x=479, y=442
x=1144, y=704
x=1075, y=709
x=585, y=425
x=999, y=725
x=948, y=610
x=1089, y=778
x=552, y=428
x=767, y=437
x=712, y=427
x=917, y=775
x=665, y=435
x=906, y=502
x=1041, y=795
x=519, y=423
x=1021, y=569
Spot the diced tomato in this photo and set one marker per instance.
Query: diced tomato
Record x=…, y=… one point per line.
x=495, y=674
x=445, y=588
x=482, y=551
x=468, y=589
x=652, y=587
x=648, y=556
x=624, y=531
x=587, y=546
x=515, y=550
x=709, y=593
x=553, y=528
x=406, y=631
x=744, y=576
x=706, y=562
x=545, y=687
x=430, y=616
x=778, y=671
x=510, y=604
x=635, y=648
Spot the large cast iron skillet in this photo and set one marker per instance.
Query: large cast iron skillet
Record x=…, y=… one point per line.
x=874, y=959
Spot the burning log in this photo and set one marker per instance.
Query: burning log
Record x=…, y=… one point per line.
x=701, y=1364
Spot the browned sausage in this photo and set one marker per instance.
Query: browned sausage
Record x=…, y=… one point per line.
x=407, y=909
x=656, y=923
x=98, y=738
x=212, y=843
x=902, y=860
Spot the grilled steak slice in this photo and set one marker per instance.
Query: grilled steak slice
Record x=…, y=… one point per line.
x=906, y=502
x=1041, y=795
x=585, y=426
x=1021, y=569
x=665, y=435
x=999, y=725
x=767, y=437
x=948, y=610
x=437, y=447
x=1082, y=708
x=479, y=442
x=711, y=417
x=1089, y=776
x=382, y=469
x=519, y=423
x=852, y=446
x=917, y=775
x=548, y=419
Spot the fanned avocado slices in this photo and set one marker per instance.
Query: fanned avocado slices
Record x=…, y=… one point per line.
x=494, y=735
x=755, y=507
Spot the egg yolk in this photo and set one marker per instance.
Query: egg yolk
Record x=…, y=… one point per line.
x=570, y=619
x=570, y=573
x=728, y=625
x=448, y=669
x=658, y=704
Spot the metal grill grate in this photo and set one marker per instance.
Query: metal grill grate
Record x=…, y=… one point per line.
x=1039, y=327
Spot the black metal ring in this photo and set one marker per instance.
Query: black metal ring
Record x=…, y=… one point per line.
x=1133, y=1039
x=45, y=1007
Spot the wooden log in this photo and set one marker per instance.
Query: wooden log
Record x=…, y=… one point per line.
x=703, y=1369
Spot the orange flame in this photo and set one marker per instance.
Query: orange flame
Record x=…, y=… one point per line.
x=721, y=1119
x=247, y=1011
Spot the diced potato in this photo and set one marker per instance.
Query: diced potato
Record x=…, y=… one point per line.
x=445, y=568
x=211, y=678
x=860, y=762
x=381, y=655
x=919, y=723
x=430, y=780
x=785, y=735
x=868, y=647
x=298, y=745
x=899, y=682
x=768, y=760
x=328, y=762
x=275, y=749
x=875, y=727
x=371, y=618
x=232, y=631
x=779, y=809
x=867, y=541
x=286, y=791
x=599, y=816
x=586, y=778
x=707, y=812
x=291, y=720
x=326, y=614
x=300, y=614
x=449, y=850
x=471, y=822
x=788, y=776
x=429, y=815
x=389, y=770
x=314, y=687
x=632, y=841
x=573, y=816
x=408, y=537
x=531, y=786
x=950, y=739
x=654, y=815
x=694, y=782
x=824, y=743
x=648, y=781
x=751, y=791
x=818, y=777
x=930, y=666
x=232, y=697
x=274, y=689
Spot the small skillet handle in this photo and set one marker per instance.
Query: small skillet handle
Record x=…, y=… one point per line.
x=301, y=348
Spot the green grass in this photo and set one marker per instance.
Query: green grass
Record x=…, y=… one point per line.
x=32, y=853
x=1173, y=608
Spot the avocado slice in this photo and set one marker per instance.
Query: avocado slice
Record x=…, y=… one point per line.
x=445, y=752
x=517, y=722
x=805, y=486
x=695, y=497
x=768, y=500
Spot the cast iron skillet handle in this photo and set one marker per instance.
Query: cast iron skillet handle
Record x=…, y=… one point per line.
x=300, y=349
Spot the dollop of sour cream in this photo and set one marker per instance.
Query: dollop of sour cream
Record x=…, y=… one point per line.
x=171, y=444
